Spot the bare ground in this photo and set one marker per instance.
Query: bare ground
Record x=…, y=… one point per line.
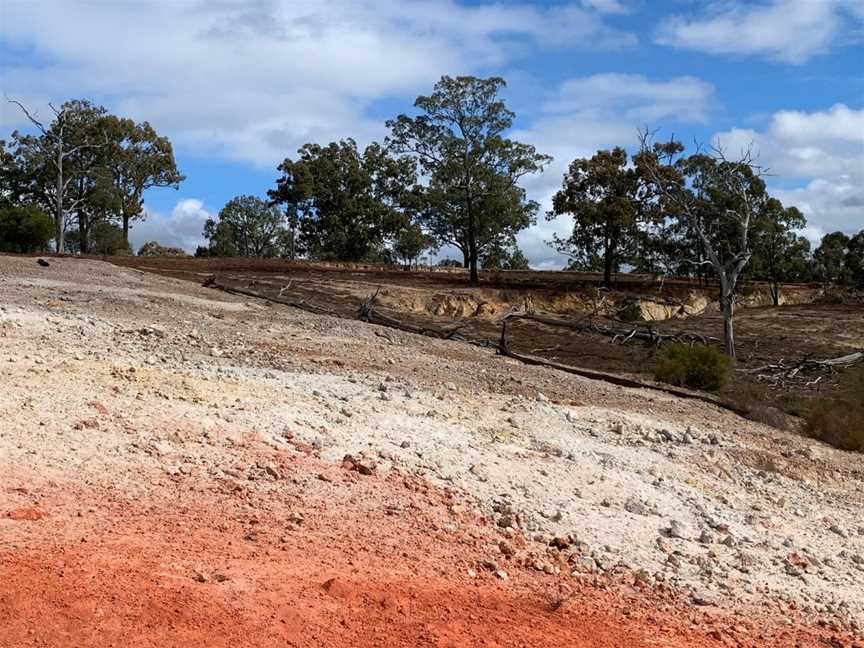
x=171, y=473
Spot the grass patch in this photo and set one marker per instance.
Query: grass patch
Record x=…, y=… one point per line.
x=696, y=367
x=839, y=420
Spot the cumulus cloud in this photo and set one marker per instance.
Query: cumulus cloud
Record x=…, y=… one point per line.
x=816, y=162
x=788, y=31
x=181, y=228
x=252, y=81
x=607, y=6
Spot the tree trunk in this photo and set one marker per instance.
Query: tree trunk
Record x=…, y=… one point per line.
x=126, y=228
x=83, y=234
x=728, y=305
x=775, y=292
x=473, y=276
x=59, y=224
x=607, y=269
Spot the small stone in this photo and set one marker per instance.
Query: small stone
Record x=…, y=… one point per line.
x=703, y=597
x=541, y=398
x=679, y=530
x=665, y=435
x=502, y=575
x=840, y=531
x=705, y=537
x=295, y=518
x=635, y=507
x=363, y=465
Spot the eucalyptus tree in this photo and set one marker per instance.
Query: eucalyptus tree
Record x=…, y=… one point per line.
x=458, y=139
x=779, y=253
x=138, y=159
x=57, y=156
x=830, y=258
x=719, y=198
x=246, y=226
x=606, y=199
x=346, y=205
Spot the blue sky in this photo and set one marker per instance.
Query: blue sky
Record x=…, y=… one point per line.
x=238, y=86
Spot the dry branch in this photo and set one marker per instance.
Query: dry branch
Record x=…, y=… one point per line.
x=618, y=335
x=302, y=305
x=801, y=372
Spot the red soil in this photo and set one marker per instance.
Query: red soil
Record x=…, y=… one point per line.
x=373, y=562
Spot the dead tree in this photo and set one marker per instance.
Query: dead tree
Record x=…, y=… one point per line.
x=719, y=198
x=56, y=148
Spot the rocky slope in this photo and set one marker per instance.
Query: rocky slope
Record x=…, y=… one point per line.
x=167, y=443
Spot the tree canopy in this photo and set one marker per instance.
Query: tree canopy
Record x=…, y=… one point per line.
x=86, y=167
x=472, y=199
x=606, y=199
x=348, y=205
x=246, y=226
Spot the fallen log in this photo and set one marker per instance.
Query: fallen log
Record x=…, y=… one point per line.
x=302, y=305
x=615, y=379
x=367, y=313
x=617, y=335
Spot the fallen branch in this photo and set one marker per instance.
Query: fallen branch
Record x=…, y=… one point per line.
x=367, y=313
x=800, y=371
x=619, y=336
x=302, y=305
x=615, y=379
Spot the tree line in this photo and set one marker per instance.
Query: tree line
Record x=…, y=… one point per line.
x=447, y=175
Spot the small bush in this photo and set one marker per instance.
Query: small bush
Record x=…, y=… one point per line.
x=839, y=421
x=155, y=249
x=696, y=367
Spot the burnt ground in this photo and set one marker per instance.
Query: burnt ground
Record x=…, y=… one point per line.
x=765, y=334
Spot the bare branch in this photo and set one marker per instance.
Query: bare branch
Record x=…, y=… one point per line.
x=35, y=121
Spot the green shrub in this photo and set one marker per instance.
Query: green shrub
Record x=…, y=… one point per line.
x=696, y=367
x=839, y=421
x=25, y=229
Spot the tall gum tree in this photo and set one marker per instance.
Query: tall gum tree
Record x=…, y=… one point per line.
x=606, y=200
x=472, y=169
x=138, y=159
x=719, y=199
x=75, y=128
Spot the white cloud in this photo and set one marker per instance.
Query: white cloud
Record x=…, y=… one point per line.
x=607, y=6
x=251, y=81
x=788, y=31
x=634, y=97
x=181, y=228
x=821, y=151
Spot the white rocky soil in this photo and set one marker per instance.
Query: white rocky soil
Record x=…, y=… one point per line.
x=598, y=478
